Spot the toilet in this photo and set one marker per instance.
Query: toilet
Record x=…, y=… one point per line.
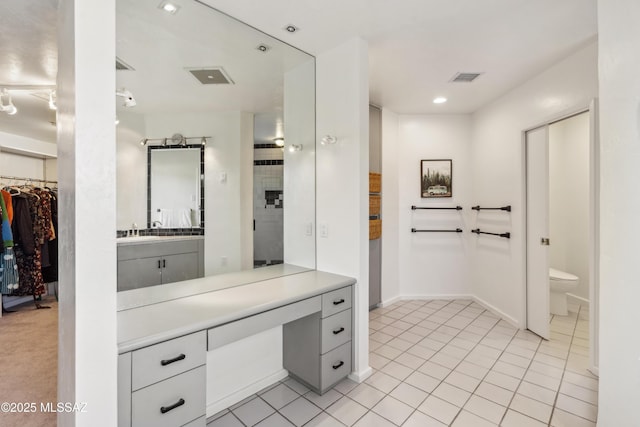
x=560, y=283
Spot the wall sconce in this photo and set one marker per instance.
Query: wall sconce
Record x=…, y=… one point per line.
x=129, y=100
x=328, y=140
x=294, y=147
x=279, y=142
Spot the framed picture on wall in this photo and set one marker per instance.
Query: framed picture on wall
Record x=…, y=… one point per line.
x=435, y=178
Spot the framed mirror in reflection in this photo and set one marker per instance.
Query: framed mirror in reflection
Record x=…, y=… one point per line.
x=175, y=187
x=199, y=72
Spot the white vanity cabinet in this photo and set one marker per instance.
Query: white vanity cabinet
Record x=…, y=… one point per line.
x=163, y=385
x=317, y=348
x=150, y=263
x=163, y=346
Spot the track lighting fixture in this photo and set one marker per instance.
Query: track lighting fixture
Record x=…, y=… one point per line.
x=295, y=147
x=175, y=140
x=6, y=104
x=279, y=142
x=129, y=100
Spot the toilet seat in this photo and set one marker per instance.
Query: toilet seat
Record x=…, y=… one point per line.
x=561, y=275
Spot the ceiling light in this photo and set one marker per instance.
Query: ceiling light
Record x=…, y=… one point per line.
x=169, y=7
x=203, y=141
x=6, y=103
x=263, y=48
x=52, y=104
x=439, y=100
x=291, y=28
x=144, y=141
x=129, y=100
x=164, y=142
x=117, y=121
x=294, y=147
x=279, y=142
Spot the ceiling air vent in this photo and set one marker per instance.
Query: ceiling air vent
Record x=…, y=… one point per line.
x=121, y=65
x=465, y=77
x=211, y=76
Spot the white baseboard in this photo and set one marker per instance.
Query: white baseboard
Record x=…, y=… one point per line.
x=390, y=301
x=238, y=396
x=361, y=376
x=501, y=314
x=422, y=297
x=450, y=297
x=581, y=300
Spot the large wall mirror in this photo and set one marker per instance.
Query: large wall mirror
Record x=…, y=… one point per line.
x=199, y=89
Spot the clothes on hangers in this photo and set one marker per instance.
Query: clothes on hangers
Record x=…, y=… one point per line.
x=8, y=267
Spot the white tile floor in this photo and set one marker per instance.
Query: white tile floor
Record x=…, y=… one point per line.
x=439, y=363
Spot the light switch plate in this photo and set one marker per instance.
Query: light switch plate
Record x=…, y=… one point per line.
x=308, y=230
x=324, y=229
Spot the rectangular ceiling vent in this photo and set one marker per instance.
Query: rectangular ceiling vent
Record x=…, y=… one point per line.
x=211, y=75
x=121, y=65
x=465, y=77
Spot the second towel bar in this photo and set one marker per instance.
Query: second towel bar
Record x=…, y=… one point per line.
x=505, y=235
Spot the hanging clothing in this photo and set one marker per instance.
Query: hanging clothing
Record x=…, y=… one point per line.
x=8, y=267
x=50, y=273
x=8, y=203
x=31, y=228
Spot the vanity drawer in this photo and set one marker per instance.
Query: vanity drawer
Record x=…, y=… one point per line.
x=170, y=403
x=336, y=330
x=336, y=301
x=334, y=366
x=169, y=358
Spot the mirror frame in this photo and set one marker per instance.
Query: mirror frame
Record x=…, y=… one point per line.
x=150, y=149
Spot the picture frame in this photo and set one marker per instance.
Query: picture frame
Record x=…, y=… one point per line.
x=436, y=178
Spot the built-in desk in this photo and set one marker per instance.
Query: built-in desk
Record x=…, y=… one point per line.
x=162, y=346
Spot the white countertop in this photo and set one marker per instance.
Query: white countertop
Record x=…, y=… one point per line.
x=150, y=324
x=155, y=294
x=136, y=240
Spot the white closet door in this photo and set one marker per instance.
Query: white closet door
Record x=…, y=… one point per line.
x=537, y=146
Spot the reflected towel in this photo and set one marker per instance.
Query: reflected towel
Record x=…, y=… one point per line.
x=175, y=218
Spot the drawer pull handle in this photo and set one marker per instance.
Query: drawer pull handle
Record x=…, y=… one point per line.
x=165, y=409
x=170, y=361
x=338, y=365
x=340, y=301
x=159, y=264
x=337, y=331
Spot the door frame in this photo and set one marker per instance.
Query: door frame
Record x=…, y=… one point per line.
x=594, y=221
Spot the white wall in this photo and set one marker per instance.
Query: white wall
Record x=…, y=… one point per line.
x=569, y=199
x=498, y=170
x=433, y=264
x=619, y=67
x=87, y=365
x=299, y=180
x=390, y=208
x=342, y=191
x=131, y=171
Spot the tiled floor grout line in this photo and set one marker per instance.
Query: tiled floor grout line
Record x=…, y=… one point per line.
x=500, y=336
x=564, y=370
x=515, y=392
x=442, y=381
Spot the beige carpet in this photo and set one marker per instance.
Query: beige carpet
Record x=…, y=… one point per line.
x=29, y=362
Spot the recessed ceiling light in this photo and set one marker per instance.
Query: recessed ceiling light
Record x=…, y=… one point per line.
x=169, y=7
x=439, y=100
x=263, y=47
x=291, y=28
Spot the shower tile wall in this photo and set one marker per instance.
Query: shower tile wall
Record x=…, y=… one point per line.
x=267, y=205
